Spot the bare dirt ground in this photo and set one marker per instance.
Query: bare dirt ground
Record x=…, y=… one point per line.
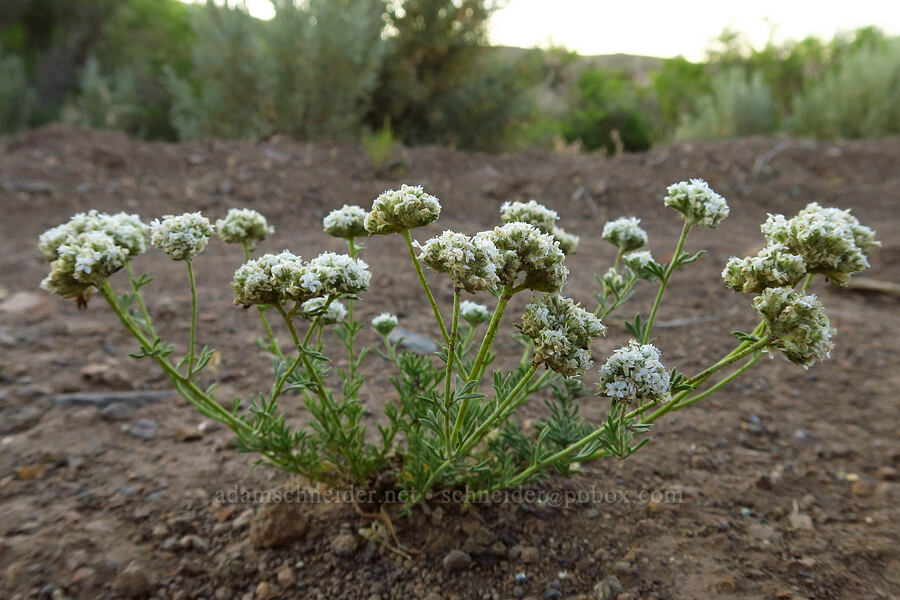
x=784, y=485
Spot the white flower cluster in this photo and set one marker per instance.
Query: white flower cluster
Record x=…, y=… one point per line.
x=471, y=262
x=397, y=210
x=638, y=263
x=625, y=233
x=527, y=257
x=797, y=324
x=331, y=274
x=89, y=248
x=314, y=309
x=346, y=222
x=384, y=323
x=473, y=313
x=562, y=332
x=273, y=278
x=699, y=204
x=182, y=237
x=773, y=266
x=128, y=232
x=541, y=217
x=634, y=373
x=830, y=240
x=243, y=226
x=612, y=279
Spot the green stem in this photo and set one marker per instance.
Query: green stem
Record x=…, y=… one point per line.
x=733, y=375
x=148, y=322
x=434, y=306
x=806, y=283
x=273, y=341
x=190, y=270
x=648, y=326
x=448, y=375
x=197, y=397
x=727, y=360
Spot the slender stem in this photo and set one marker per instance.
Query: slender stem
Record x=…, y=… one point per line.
x=806, y=283
x=190, y=270
x=434, y=306
x=273, y=341
x=727, y=360
x=731, y=376
x=197, y=396
x=618, y=258
x=148, y=322
x=448, y=375
x=648, y=326
x=476, y=436
x=351, y=331
x=302, y=356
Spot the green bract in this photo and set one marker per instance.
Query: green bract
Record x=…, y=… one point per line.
x=399, y=210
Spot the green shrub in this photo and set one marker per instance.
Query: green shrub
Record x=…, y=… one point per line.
x=739, y=105
x=857, y=97
x=607, y=114
x=16, y=97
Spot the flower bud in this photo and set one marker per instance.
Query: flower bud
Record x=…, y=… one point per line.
x=471, y=262
x=527, y=257
x=384, y=323
x=314, y=310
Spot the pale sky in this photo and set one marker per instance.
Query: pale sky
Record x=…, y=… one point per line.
x=670, y=27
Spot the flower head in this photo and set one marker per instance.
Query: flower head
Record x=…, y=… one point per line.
x=699, y=204
x=331, y=274
x=830, y=240
x=384, y=323
x=562, y=332
x=127, y=231
x=625, y=233
x=270, y=279
x=542, y=218
x=527, y=257
x=182, y=237
x=397, y=210
x=473, y=313
x=634, y=373
x=612, y=279
x=773, y=266
x=638, y=263
x=797, y=325
x=346, y=222
x=314, y=309
x=85, y=260
x=243, y=226
x=471, y=262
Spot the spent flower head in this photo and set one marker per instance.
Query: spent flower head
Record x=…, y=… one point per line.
x=562, y=332
x=527, y=257
x=634, y=373
x=398, y=210
x=830, y=240
x=384, y=323
x=699, y=204
x=182, y=237
x=346, y=222
x=471, y=262
x=773, y=266
x=270, y=279
x=331, y=274
x=797, y=325
x=473, y=313
x=625, y=233
x=243, y=226
x=314, y=309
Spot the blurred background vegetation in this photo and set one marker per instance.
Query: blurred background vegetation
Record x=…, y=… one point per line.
x=416, y=72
